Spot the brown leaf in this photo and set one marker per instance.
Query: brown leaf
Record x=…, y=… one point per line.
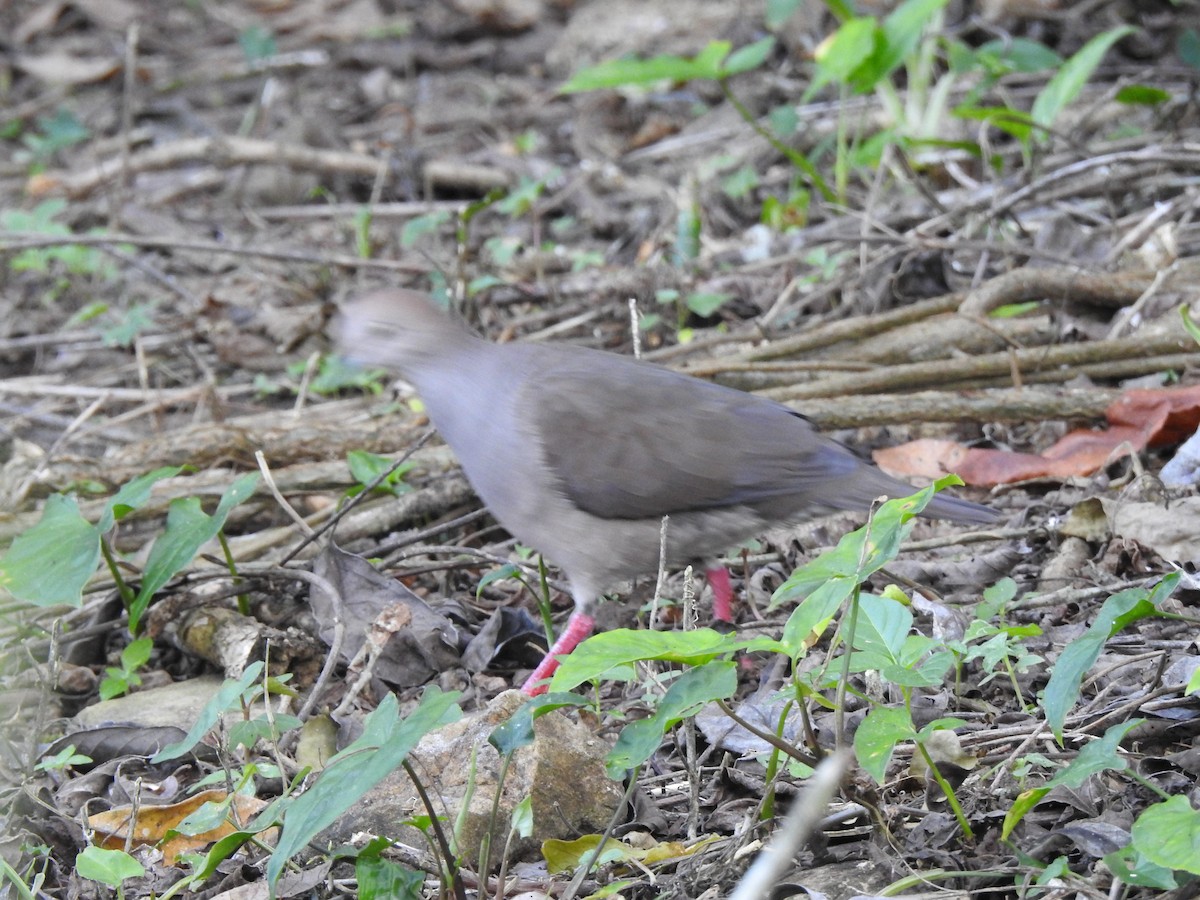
x=113, y=827
x=1137, y=419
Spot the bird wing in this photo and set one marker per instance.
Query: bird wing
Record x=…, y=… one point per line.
x=629, y=440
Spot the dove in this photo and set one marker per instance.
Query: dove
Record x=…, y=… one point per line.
x=580, y=453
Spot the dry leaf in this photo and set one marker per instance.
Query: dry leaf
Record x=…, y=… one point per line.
x=113, y=827
x=67, y=68
x=1137, y=419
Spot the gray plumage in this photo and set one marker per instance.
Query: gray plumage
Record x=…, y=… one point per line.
x=580, y=453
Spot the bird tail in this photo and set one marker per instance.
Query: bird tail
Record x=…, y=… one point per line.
x=943, y=506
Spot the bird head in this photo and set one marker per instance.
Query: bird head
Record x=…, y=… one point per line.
x=395, y=329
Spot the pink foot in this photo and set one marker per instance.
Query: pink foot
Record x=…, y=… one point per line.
x=722, y=588
x=579, y=626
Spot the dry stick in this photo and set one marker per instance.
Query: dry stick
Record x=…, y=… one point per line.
x=1127, y=315
x=359, y=497
x=991, y=365
x=217, y=151
x=662, y=569
x=33, y=388
x=769, y=736
x=398, y=210
x=30, y=480
x=1180, y=156
x=1140, y=233
x=269, y=480
x=1119, y=368
x=721, y=367
x=127, y=92
x=368, y=657
x=805, y=816
x=416, y=537
x=17, y=244
x=852, y=329
x=1113, y=290
x=1023, y=284
x=339, y=633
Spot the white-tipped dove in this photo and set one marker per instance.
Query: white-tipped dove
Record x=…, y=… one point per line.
x=580, y=453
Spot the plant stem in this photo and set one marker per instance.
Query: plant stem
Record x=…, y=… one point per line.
x=948, y=792
x=795, y=157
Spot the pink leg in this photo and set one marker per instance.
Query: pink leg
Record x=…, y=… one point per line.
x=579, y=626
x=722, y=588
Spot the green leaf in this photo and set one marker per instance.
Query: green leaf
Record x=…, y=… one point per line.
x=863, y=551
x=996, y=596
x=824, y=584
x=521, y=198
x=384, y=744
x=63, y=759
x=206, y=817
x=687, y=694
x=1068, y=81
x=247, y=734
x=1189, y=324
x=706, y=304
x=132, y=322
x=58, y=132
x=517, y=732
x=883, y=626
x=1013, y=310
x=188, y=529
x=204, y=866
x=133, y=495
x=1017, y=55
x=779, y=11
x=1142, y=95
x=1011, y=121
x=137, y=653
x=109, y=867
x=508, y=570
x=1168, y=834
x=642, y=72
x=51, y=562
x=229, y=693
x=876, y=738
x=522, y=818
x=1095, y=757
x=1025, y=801
x=784, y=120
x=740, y=183
x=1187, y=45
x=1077, y=657
x=902, y=30
x=1132, y=867
x=335, y=374
x=416, y=228
x=1193, y=684
x=709, y=61
x=818, y=607
x=687, y=236
x=257, y=43
x=749, y=57
x=382, y=879
x=622, y=646
x=366, y=467
x=839, y=57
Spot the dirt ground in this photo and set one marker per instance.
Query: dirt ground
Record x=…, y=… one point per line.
x=188, y=191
